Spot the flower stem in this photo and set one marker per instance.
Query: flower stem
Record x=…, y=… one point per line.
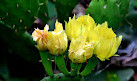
x=75, y=68
x=92, y=62
x=46, y=61
x=61, y=64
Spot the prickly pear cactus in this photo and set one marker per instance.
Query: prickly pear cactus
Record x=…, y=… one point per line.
x=43, y=11
x=20, y=14
x=19, y=43
x=112, y=11
x=64, y=8
x=15, y=18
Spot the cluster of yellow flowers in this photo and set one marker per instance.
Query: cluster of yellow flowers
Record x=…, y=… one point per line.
x=87, y=38
x=55, y=41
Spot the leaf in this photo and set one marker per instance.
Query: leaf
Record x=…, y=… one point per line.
x=132, y=6
x=18, y=79
x=111, y=75
x=132, y=16
x=127, y=73
x=112, y=11
x=46, y=61
x=20, y=43
x=75, y=67
x=4, y=72
x=92, y=62
x=20, y=14
x=60, y=62
x=62, y=77
x=51, y=9
x=52, y=15
x=64, y=9
x=43, y=11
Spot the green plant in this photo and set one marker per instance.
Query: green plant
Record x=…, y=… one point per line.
x=16, y=17
x=103, y=45
x=112, y=11
x=21, y=14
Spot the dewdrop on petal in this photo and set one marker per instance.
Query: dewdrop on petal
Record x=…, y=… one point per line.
x=57, y=40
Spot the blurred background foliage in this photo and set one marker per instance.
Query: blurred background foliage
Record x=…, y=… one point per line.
x=19, y=58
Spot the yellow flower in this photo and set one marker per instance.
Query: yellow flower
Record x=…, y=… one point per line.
x=108, y=42
x=40, y=36
x=79, y=27
x=57, y=40
x=80, y=50
x=93, y=37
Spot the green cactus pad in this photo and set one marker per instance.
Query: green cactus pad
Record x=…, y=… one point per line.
x=64, y=9
x=112, y=11
x=20, y=14
x=62, y=77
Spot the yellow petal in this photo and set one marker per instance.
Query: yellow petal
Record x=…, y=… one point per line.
x=58, y=26
x=103, y=49
x=93, y=36
x=119, y=39
x=40, y=37
x=37, y=34
x=46, y=28
x=79, y=27
x=114, y=48
x=88, y=50
x=79, y=42
x=104, y=31
x=116, y=43
x=86, y=21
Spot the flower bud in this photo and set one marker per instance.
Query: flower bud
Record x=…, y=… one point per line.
x=57, y=40
x=80, y=50
x=40, y=36
x=79, y=27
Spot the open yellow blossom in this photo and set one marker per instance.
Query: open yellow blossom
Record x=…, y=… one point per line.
x=80, y=50
x=57, y=40
x=79, y=27
x=40, y=36
x=108, y=42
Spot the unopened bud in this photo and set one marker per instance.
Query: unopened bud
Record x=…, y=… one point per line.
x=40, y=36
x=57, y=40
x=80, y=50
